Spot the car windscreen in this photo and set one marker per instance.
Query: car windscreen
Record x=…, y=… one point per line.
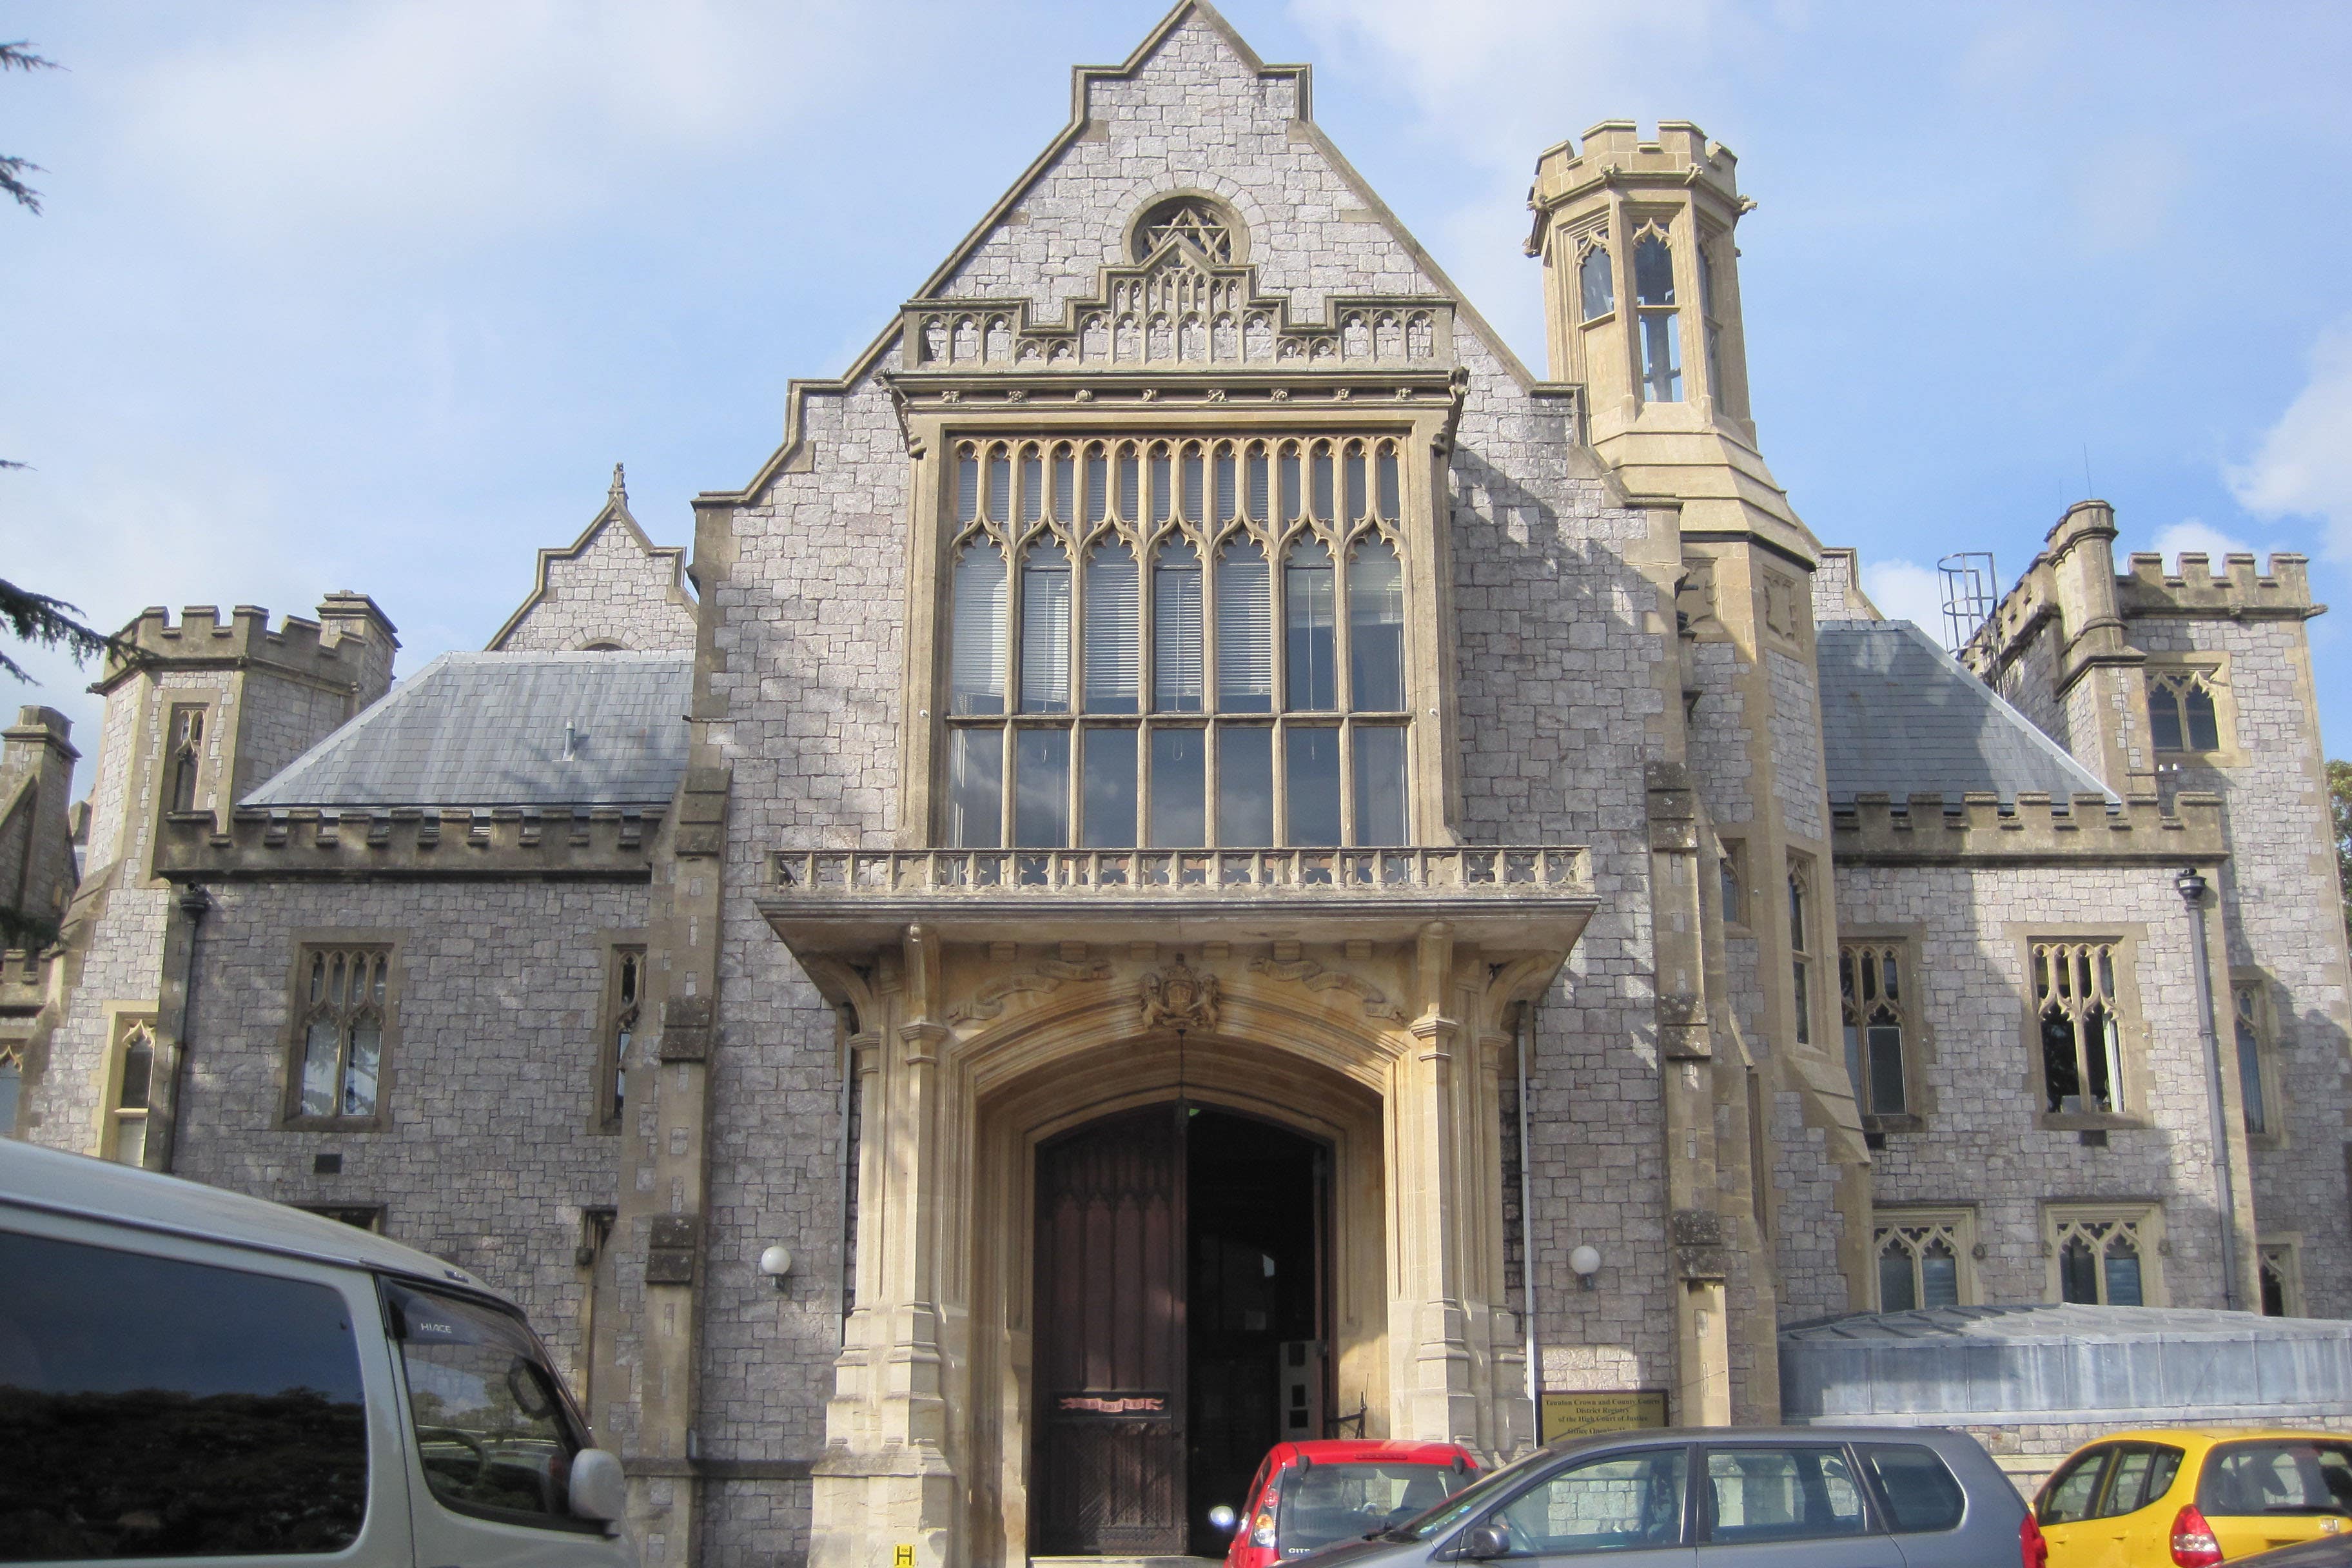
x=154, y=1408
x=493, y=1432
x=2277, y=1476
x=1470, y=1500
x=1345, y=1500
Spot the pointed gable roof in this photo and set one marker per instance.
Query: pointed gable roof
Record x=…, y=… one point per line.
x=663, y=571
x=1083, y=83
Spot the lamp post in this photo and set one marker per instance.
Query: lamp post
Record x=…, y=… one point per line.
x=2191, y=886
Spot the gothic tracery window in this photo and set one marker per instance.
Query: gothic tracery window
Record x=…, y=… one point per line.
x=2246, y=1005
x=2181, y=716
x=1596, y=286
x=1205, y=224
x=2075, y=999
x=2103, y=1258
x=188, y=756
x=1660, y=325
x=1924, y=1259
x=1181, y=642
x=134, y=1075
x=1870, y=996
x=342, y=1007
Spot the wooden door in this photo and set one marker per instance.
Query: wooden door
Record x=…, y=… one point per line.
x=1109, y=1349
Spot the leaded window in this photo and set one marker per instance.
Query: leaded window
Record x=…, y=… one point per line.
x=1596, y=283
x=1660, y=325
x=1183, y=643
x=1870, y=999
x=622, y=1013
x=2076, y=1000
x=344, y=1005
x=135, y=1083
x=11, y=1087
x=2246, y=1003
x=2105, y=1257
x=2180, y=712
x=1924, y=1259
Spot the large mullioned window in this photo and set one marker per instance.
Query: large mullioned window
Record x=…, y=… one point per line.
x=1180, y=643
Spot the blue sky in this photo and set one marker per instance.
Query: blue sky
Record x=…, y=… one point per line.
x=373, y=295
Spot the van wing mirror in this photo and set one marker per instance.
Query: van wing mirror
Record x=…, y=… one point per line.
x=598, y=1490
x=1484, y=1541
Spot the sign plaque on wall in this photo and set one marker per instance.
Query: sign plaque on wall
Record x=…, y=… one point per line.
x=1588, y=1414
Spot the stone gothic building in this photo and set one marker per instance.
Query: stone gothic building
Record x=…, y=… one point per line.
x=1215, y=857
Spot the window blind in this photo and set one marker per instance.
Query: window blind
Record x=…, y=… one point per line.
x=1376, y=629
x=1114, y=651
x=1245, y=632
x=1176, y=631
x=1046, y=631
x=976, y=660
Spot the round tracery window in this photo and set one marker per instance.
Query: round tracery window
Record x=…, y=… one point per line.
x=1208, y=226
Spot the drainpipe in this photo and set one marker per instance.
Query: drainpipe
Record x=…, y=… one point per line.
x=1523, y=1035
x=194, y=904
x=2192, y=894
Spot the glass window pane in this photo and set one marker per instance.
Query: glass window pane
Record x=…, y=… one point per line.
x=1046, y=630
x=1886, y=1071
x=1896, y=1292
x=1194, y=502
x=2123, y=1275
x=2250, y=1079
x=1163, y=485
x=359, y=1073
x=1351, y=472
x=1228, y=484
x=1320, y=477
x=1593, y=283
x=2204, y=728
x=1114, y=656
x=131, y=1140
x=1939, y=1276
x=1131, y=485
x=138, y=1063
x=1312, y=642
x=12, y=1087
x=1176, y=630
x=1179, y=789
x=975, y=794
x=1245, y=632
x=1804, y=994
x=976, y=660
x=1066, y=486
x=1313, y=774
x=966, y=485
x=1379, y=785
x=2078, y=1273
x=1259, y=480
x=1098, y=484
x=232, y=1424
x=1245, y=787
x=1385, y=469
x=1108, y=787
x=1782, y=1494
x=2164, y=720
x=1041, y=789
x=492, y=1433
x=1654, y=270
x=1033, y=485
x=319, y=1064
x=1920, y=1492
x=1662, y=356
x=1287, y=472
x=1376, y=629
x=1624, y=1501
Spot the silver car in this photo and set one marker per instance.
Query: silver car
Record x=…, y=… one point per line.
x=1808, y=1497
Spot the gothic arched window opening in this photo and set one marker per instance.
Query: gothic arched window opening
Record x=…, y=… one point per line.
x=344, y=1007
x=2181, y=716
x=188, y=756
x=1661, y=330
x=2081, y=1031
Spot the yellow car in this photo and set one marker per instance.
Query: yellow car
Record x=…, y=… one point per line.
x=2191, y=1496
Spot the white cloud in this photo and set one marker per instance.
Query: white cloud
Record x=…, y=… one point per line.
x=439, y=123
x=2303, y=465
x=2194, y=534
x=1906, y=591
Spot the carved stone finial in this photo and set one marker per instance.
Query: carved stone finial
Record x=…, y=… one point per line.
x=1179, y=997
x=619, y=494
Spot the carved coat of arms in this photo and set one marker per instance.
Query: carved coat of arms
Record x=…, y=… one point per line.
x=1180, y=997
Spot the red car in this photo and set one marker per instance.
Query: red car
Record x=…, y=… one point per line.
x=1308, y=1495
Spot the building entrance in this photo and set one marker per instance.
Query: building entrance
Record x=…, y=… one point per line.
x=1181, y=1305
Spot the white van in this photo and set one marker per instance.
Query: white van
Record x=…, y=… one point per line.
x=188, y=1373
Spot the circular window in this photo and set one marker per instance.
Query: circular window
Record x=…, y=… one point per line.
x=1207, y=224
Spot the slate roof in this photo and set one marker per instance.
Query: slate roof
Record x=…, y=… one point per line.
x=488, y=730
x=1902, y=717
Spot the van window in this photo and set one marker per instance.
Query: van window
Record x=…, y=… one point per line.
x=1917, y=1487
x=492, y=1429
x=154, y=1408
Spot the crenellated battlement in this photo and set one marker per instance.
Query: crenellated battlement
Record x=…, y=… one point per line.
x=2239, y=590
x=1928, y=830
x=599, y=844
x=1612, y=153
x=351, y=641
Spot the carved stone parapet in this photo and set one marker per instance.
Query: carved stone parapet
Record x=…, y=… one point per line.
x=2241, y=592
x=1928, y=829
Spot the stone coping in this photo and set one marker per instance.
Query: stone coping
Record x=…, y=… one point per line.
x=1936, y=829
x=606, y=843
